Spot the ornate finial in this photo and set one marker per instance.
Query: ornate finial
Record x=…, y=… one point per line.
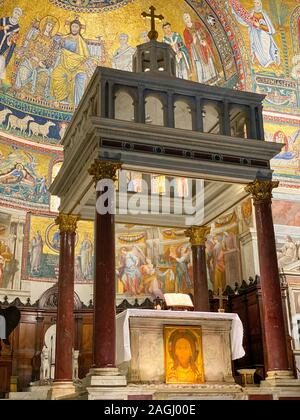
x=102, y=169
x=67, y=223
x=261, y=190
x=153, y=34
x=197, y=234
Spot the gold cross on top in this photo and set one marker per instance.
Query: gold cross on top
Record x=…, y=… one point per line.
x=153, y=34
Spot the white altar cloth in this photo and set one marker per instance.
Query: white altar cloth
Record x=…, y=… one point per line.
x=123, y=332
x=2, y=328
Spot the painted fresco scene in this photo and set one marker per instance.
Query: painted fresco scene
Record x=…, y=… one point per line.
x=10, y=258
x=287, y=164
x=42, y=258
x=287, y=220
x=24, y=176
x=150, y=261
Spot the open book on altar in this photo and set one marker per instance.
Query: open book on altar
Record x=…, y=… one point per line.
x=178, y=301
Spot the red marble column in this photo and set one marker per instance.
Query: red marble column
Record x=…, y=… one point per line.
x=197, y=237
x=65, y=312
x=275, y=337
x=104, y=341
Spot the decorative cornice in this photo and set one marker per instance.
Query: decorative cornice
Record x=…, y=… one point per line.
x=67, y=223
x=261, y=190
x=102, y=169
x=197, y=234
x=48, y=303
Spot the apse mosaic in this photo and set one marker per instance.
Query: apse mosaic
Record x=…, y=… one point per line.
x=47, y=56
x=268, y=34
x=49, y=53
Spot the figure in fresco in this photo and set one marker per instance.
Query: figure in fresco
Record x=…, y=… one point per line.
x=17, y=175
x=77, y=270
x=86, y=256
x=19, y=179
x=8, y=266
x=2, y=265
x=37, y=59
x=218, y=262
x=183, y=63
x=129, y=272
x=199, y=46
x=41, y=186
x=36, y=253
x=150, y=279
x=122, y=58
x=209, y=260
x=261, y=31
x=183, y=265
x=9, y=32
x=288, y=152
x=288, y=253
x=75, y=66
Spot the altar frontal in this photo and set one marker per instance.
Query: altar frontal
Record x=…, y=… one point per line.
x=172, y=347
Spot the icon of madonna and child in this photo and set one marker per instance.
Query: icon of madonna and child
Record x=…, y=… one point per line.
x=183, y=355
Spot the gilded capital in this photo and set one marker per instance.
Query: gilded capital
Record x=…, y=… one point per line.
x=102, y=169
x=67, y=223
x=261, y=190
x=197, y=234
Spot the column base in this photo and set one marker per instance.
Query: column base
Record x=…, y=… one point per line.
x=280, y=378
x=104, y=377
x=104, y=384
x=60, y=390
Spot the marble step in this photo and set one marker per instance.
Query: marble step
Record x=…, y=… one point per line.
x=31, y=395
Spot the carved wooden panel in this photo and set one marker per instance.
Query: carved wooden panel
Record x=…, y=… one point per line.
x=5, y=370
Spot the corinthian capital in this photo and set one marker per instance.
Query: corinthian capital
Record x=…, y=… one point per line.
x=102, y=169
x=67, y=223
x=197, y=234
x=261, y=190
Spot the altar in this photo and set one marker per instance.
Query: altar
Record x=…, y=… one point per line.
x=147, y=352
